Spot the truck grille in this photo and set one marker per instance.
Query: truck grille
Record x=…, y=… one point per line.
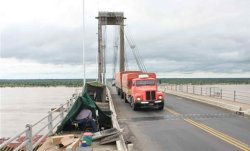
x=150, y=95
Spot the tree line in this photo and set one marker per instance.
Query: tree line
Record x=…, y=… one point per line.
x=42, y=82
x=79, y=82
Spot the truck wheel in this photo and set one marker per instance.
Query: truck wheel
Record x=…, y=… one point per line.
x=118, y=91
x=134, y=106
x=125, y=98
x=161, y=107
x=122, y=95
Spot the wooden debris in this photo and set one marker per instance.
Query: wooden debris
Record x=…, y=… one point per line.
x=57, y=139
x=74, y=145
x=105, y=133
x=66, y=141
x=47, y=145
x=110, y=139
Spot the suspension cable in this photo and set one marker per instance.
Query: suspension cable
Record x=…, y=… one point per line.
x=134, y=49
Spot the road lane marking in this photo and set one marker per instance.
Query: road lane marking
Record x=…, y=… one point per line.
x=171, y=111
x=214, y=132
x=223, y=134
x=229, y=140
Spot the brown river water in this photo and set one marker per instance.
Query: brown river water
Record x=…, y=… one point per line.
x=26, y=105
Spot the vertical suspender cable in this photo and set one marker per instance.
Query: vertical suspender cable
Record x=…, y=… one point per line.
x=126, y=60
x=83, y=45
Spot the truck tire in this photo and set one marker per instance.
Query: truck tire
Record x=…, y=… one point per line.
x=118, y=91
x=134, y=106
x=122, y=95
x=161, y=107
x=125, y=98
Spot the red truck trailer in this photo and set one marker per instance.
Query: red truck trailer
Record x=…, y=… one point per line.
x=118, y=81
x=139, y=89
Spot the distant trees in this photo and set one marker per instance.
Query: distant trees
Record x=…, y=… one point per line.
x=42, y=82
x=79, y=82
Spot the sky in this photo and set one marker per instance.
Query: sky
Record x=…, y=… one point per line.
x=176, y=38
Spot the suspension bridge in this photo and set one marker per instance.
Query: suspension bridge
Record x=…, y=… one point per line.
x=188, y=121
x=184, y=124
x=120, y=35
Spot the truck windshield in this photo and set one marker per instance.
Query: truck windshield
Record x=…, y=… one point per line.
x=145, y=83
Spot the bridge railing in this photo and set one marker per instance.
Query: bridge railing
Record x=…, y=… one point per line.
x=44, y=127
x=214, y=92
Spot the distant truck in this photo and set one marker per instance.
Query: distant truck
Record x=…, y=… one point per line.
x=139, y=89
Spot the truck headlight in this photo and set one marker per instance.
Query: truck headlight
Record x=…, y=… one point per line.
x=160, y=97
x=138, y=99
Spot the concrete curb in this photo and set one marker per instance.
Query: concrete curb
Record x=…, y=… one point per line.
x=120, y=144
x=247, y=112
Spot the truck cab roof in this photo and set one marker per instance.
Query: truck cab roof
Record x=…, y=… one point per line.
x=136, y=79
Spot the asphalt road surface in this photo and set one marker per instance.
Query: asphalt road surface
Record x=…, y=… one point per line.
x=183, y=125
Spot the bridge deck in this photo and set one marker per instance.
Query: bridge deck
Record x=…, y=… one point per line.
x=183, y=125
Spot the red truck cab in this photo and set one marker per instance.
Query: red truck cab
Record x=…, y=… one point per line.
x=144, y=94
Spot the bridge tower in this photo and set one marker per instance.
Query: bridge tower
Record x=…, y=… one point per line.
x=109, y=18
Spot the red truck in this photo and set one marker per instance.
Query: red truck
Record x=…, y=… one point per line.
x=139, y=89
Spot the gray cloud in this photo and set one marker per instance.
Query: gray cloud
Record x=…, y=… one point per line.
x=192, y=37
x=210, y=47
x=46, y=44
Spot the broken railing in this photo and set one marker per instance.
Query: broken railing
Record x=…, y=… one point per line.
x=44, y=127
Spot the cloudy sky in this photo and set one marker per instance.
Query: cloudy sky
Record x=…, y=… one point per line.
x=176, y=38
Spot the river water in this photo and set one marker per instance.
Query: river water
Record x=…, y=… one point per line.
x=240, y=93
x=26, y=105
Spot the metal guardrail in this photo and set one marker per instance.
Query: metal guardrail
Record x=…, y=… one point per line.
x=214, y=92
x=52, y=117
